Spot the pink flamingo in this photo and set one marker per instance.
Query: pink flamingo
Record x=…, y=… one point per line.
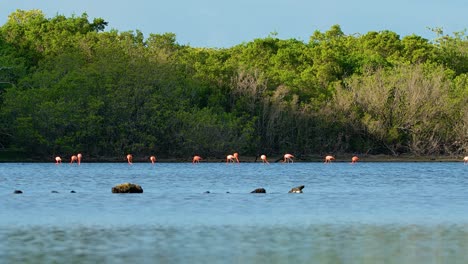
x=231, y=158
x=354, y=159
x=153, y=159
x=129, y=159
x=79, y=156
x=58, y=160
x=288, y=158
x=328, y=159
x=264, y=159
x=465, y=160
x=196, y=159
x=73, y=159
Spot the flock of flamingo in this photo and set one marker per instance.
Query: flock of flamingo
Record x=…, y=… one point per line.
x=288, y=158
x=74, y=158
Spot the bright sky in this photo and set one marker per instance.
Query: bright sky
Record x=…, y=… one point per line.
x=220, y=23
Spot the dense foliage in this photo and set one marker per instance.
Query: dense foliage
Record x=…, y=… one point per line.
x=68, y=86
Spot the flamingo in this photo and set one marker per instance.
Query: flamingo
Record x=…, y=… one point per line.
x=264, y=159
x=328, y=159
x=73, y=159
x=354, y=159
x=231, y=158
x=196, y=159
x=129, y=158
x=288, y=158
x=465, y=160
x=79, y=156
x=153, y=159
x=58, y=160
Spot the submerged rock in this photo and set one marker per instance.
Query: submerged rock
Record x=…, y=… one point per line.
x=72, y=191
x=297, y=189
x=259, y=190
x=54, y=192
x=127, y=188
x=18, y=191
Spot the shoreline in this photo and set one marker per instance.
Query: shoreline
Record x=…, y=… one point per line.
x=252, y=159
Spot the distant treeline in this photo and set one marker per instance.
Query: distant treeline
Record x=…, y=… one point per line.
x=68, y=86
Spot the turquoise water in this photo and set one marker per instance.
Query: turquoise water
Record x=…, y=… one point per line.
x=361, y=213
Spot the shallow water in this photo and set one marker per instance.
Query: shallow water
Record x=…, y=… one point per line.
x=361, y=213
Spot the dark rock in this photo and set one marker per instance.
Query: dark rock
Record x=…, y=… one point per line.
x=207, y=192
x=259, y=190
x=18, y=191
x=297, y=189
x=127, y=188
x=72, y=191
x=54, y=192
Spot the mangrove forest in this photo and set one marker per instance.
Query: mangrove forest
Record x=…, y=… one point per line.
x=70, y=84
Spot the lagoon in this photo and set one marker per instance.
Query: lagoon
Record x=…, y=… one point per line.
x=375, y=212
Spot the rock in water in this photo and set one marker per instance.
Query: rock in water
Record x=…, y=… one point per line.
x=18, y=191
x=297, y=189
x=127, y=188
x=259, y=190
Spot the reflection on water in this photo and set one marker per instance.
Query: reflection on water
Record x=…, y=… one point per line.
x=354, y=243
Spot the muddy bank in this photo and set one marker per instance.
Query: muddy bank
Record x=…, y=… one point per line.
x=272, y=159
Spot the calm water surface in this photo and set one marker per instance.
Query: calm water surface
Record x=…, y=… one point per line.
x=361, y=213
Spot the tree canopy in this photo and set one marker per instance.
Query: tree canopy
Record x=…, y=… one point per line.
x=67, y=85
